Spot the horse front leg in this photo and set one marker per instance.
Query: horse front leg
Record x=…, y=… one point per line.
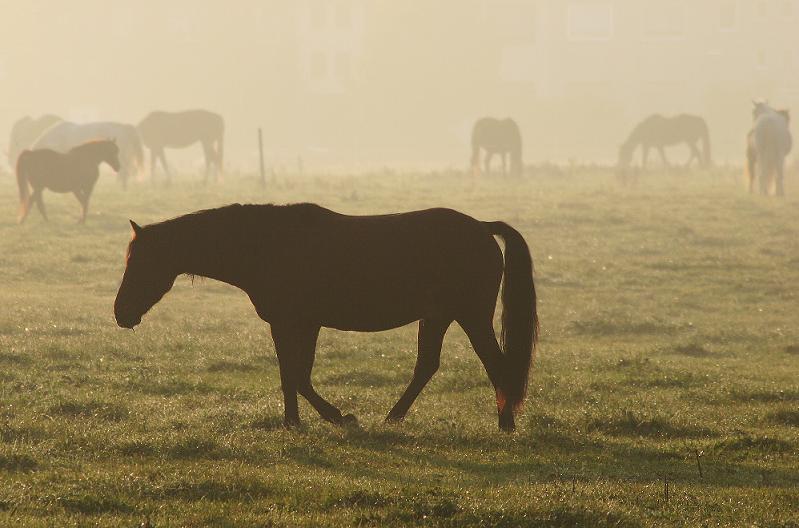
x=487, y=162
x=662, y=153
x=37, y=197
x=83, y=198
x=431, y=337
x=296, y=345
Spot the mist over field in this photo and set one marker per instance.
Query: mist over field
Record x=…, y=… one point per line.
x=641, y=149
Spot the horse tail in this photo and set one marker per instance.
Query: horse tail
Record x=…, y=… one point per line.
x=520, y=327
x=22, y=182
x=705, y=137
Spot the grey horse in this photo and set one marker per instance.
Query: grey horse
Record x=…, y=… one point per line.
x=768, y=144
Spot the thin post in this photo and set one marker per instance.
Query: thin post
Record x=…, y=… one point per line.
x=261, y=156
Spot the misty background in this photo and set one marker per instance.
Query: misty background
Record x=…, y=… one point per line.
x=359, y=82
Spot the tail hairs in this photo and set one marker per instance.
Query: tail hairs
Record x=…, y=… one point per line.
x=520, y=326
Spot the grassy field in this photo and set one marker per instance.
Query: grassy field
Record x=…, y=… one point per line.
x=670, y=343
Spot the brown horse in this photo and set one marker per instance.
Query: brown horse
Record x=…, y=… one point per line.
x=659, y=132
x=305, y=267
x=497, y=136
x=161, y=130
x=76, y=172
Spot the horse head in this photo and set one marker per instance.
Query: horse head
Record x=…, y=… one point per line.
x=760, y=107
x=149, y=275
x=626, y=154
x=110, y=153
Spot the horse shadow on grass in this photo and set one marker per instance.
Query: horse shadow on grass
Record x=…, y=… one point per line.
x=503, y=459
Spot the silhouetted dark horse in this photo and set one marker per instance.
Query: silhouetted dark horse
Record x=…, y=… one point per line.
x=305, y=267
x=160, y=130
x=767, y=144
x=497, y=136
x=659, y=132
x=76, y=172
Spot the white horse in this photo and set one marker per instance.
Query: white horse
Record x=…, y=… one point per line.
x=25, y=132
x=65, y=136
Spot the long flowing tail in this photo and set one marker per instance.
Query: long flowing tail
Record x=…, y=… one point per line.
x=520, y=327
x=22, y=182
x=707, y=160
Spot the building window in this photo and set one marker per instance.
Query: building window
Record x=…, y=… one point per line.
x=516, y=20
x=343, y=15
x=761, y=59
x=665, y=19
x=318, y=67
x=318, y=14
x=343, y=66
x=728, y=15
x=590, y=22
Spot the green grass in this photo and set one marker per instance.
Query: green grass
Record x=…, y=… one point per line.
x=669, y=313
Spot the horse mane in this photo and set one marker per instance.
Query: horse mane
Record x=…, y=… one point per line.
x=239, y=217
x=90, y=145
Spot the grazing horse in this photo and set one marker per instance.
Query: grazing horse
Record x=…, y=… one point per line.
x=76, y=172
x=767, y=144
x=25, y=132
x=659, y=132
x=160, y=130
x=497, y=136
x=65, y=136
x=305, y=267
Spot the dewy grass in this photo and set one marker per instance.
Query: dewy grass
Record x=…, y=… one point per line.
x=669, y=342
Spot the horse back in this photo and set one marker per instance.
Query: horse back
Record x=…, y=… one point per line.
x=360, y=272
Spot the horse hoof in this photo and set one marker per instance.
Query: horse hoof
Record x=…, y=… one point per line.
x=394, y=419
x=349, y=420
x=507, y=424
x=291, y=424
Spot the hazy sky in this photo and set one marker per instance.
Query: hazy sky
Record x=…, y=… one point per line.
x=384, y=80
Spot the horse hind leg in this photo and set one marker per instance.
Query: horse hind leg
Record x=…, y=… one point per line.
x=481, y=334
x=208, y=153
x=779, y=175
x=431, y=338
x=764, y=174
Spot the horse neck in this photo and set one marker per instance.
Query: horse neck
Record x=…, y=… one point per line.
x=206, y=252
x=91, y=154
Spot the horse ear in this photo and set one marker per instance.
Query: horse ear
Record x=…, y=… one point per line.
x=136, y=228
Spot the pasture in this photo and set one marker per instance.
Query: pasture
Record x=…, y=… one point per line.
x=669, y=343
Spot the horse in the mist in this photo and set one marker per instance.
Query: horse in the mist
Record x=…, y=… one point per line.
x=768, y=144
x=64, y=136
x=161, y=130
x=305, y=267
x=497, y=136
x=657, y=131
x=76, y=171
x=25, y=132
